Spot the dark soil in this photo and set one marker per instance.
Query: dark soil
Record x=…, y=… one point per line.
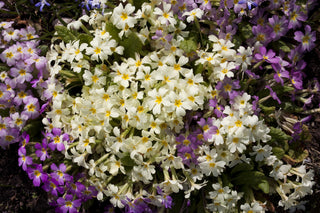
x=17, y=193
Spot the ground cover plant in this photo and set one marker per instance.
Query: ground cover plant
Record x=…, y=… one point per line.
x=153, y=106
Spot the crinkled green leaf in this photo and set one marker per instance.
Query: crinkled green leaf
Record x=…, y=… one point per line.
x=4, y=112
x=65, y=34
x=297, y=156
x=68, y=74
x=32, y=128
x=127, y=161
x=188, y=45
x=241, y=168
x=138, y=3
x=4, y=68
x=264, y=186
x=246, y=30
x=278, y=135
x=278, y=152
x=113, y=31
x=44, y=49
x=132, y=45
x=254, y=179
x=267, y=109
x=284, y=46
x=291, y=107
x=85, y=38
x=282, y=89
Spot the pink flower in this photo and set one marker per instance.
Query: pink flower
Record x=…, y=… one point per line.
x=267, y=56
x=37, y=175
x=307, y=40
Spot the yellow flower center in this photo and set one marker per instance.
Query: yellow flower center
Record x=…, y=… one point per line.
x=124, y=16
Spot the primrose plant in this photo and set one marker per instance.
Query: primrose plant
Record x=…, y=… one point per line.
x=21, y=81
x=157, y=105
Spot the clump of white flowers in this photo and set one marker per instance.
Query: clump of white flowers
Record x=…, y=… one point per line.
x=130, y=106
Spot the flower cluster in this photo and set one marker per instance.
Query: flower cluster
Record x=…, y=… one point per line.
x=156, y=100
x=20, y=80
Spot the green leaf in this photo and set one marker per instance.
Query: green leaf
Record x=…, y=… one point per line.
x=44, y=49
x=4, y=68
x=4, y=112
x=113, y=31
x=246, y=31
x=132, y=45
x=65, y=34
x=241, y=168
x=127, y=161
x=32, y=128
x=68, y=74
x=284, y=47
x=278, y=152
x=264, y=186
x=138, y=3
x=281, y=45
x=85, y=38
x=291, y=107
x=282, y=89
x=254, y=179
x=297, y=155
x=188, y=45
x=267, y=109
x=278, y=135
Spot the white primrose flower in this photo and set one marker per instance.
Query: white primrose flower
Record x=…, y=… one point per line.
x=122, y=75
x=223, y=47
x=144, y=35
x=178, y=103
x=143, y=173
x=261, y=152
x=167, y=78
x=217, y=137
x=165, y=16
x=172, y=48
x=79, y=158
x=138, y=64
x=224, y=70
x=219, y=191
x=96, y=79
x=101, y=48
x=241, y=102
x=193, y=14
x=208, y=58
x=195, y=172
x=78, y=66
x=209, y=164
x=84, y=144
x=254, y=207
x=212, y=167
x=177, y=67
x=114, y=166
x=168, y=160
x=193, y=81
x=280, y=171
x=171, y=186
x=218, y=205
x=156, y=100
x=74, y=51
x=115, y=142
x=237, y=142
x=244, y=57
x=116, y=198
x=121, y=16
x=288, y=202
